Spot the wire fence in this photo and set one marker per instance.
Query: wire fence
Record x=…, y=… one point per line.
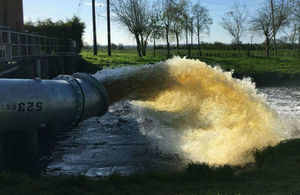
x=15, y=45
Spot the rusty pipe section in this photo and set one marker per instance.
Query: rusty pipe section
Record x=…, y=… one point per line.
x=59, y=103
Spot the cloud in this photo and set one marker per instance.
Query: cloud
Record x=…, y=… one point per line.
x=26, y=19
x=96, y=4
x=103, y=15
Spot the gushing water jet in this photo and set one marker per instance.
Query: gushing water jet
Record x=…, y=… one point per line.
x=197, y=111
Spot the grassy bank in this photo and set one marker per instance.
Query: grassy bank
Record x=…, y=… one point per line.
x=265, y=71
x=273, y=71
x=276, y=171
x=119, y=58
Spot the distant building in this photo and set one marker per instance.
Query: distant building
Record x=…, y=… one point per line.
x=11, y=14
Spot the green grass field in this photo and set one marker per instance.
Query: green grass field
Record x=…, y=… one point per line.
x=263, y=70
x=119, y=58
x=276, y=171
x=225, y=59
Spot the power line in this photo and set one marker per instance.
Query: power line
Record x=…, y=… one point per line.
x=214, y=3
x=79, y=8
x=226, y=4
x=46, y=13
x=98, y=14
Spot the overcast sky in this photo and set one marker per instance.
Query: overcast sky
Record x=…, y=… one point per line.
x=63, y=9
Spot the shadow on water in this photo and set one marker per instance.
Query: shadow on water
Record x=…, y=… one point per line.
x=102, y=146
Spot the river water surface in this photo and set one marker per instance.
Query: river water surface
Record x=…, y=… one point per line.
x=115, y=143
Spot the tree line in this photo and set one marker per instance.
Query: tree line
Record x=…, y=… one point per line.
x=162, y=20
x=72, y=28
x=180, y=19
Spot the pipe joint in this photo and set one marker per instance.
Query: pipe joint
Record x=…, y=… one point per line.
x=77, y=115
x=59, y=104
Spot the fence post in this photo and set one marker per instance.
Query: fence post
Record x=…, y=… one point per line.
x=38, y=68
x=1, y=46
x=33, y=43
x=27, y=49
x=40, y=47
x=9, y=44
x=19, y=46
x=57, y=47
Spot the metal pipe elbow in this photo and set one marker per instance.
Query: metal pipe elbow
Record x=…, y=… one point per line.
x=59, y=103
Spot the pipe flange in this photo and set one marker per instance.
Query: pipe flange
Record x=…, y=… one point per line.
x=99, y=87
x=77, y=115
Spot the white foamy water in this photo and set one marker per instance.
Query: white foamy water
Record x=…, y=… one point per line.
x=286, y=102
x=148, y=133
x=198, y=112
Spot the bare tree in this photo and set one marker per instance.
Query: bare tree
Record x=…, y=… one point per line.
x=145, y=34
x=283, y=39
x=202, y=22
x=157, y=27
x=273, y=27
x=186, y=31
x=298, y=19
x=291, y=33
x=187, y=25
x=135, y=15
x=167, y=18
x=296, y=16
x=178, y=22
x=262, y=24
x=279, y=14
x=191, y=29
x=234, y=22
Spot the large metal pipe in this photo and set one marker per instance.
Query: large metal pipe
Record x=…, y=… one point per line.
x=59, y=103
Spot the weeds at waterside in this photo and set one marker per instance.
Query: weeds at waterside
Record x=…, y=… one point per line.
x=276, y=171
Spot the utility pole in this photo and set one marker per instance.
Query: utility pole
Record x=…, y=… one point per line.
x=299, y=36
x=94, y=28
x=108, y=29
